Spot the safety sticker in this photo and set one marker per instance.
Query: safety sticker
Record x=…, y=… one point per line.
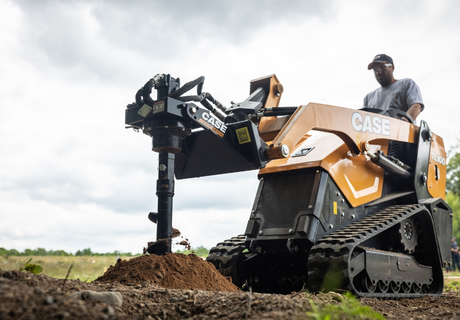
x=243, y=135
x=145, y=110
x=335, y=207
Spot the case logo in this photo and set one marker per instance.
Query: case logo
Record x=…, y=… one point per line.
x=213, y=123
x=370, y=124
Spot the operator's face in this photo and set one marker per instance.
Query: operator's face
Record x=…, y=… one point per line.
x=383, y=73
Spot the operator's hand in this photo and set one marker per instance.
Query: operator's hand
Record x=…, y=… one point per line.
x=402, y=118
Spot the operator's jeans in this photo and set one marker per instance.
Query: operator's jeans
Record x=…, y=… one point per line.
x=455, y=261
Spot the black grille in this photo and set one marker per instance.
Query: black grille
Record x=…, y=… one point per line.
x=393, y=149
x=326, y=212
x=283, y=196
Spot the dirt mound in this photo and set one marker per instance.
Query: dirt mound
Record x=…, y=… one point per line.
x=171, y=271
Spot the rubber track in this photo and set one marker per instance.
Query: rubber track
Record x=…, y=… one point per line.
x=332, y=252
x=225, y=257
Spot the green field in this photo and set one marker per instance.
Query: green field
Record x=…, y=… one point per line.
x=85, y=268
x=88, y=268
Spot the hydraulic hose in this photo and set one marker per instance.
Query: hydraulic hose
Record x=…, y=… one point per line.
x=285, y=111
x=187, y=87
x=203, y=99
x=143, y=96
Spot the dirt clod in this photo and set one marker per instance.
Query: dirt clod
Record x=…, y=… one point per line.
x=185, y=244
x=175, y=233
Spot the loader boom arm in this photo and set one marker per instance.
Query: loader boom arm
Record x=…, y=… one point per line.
x=354, y=127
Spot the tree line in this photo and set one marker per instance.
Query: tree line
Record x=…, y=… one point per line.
x=199, y=251
x=43, y=252
x=453, y=186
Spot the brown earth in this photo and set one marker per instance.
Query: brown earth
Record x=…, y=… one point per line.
x=177, y=286
x=171, y=271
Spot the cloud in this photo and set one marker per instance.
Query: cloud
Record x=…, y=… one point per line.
x=55, y=226
x=100, y=37
x=71, y=175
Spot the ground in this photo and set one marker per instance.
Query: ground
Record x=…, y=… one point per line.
x=179, y=286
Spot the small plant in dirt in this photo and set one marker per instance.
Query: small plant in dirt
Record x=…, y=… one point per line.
x=348, y=308
x=31, y=267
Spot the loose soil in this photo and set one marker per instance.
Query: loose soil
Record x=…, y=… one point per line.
x=171, y=271
x=177, y=286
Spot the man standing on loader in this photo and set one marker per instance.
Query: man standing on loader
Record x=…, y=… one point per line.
x=401, y=94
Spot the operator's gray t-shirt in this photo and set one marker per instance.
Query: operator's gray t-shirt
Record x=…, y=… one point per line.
x=401, y=95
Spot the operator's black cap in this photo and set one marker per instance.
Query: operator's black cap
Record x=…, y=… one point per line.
x=380, y=58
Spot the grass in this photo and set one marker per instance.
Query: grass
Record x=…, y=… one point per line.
x=451, y=285
x=348, y=307
x=85, y=268
x=452, y=281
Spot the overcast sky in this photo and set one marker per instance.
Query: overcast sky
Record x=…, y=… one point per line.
x=72, y=176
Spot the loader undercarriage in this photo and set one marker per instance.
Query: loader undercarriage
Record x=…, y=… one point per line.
x=352, y=259
x=357, y=258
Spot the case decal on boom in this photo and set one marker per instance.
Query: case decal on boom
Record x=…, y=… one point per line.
x=375, y=124
x=213, y=123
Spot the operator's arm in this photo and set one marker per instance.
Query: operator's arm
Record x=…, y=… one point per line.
x=414, y=99
x=414, y=110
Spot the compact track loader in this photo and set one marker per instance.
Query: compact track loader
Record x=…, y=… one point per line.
x=348, y=199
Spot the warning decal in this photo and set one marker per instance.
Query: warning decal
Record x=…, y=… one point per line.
x=243, y=135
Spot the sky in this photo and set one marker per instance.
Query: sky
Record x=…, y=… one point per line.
x=71, y=175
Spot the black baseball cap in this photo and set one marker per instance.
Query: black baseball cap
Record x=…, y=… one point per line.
x=380, y=58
